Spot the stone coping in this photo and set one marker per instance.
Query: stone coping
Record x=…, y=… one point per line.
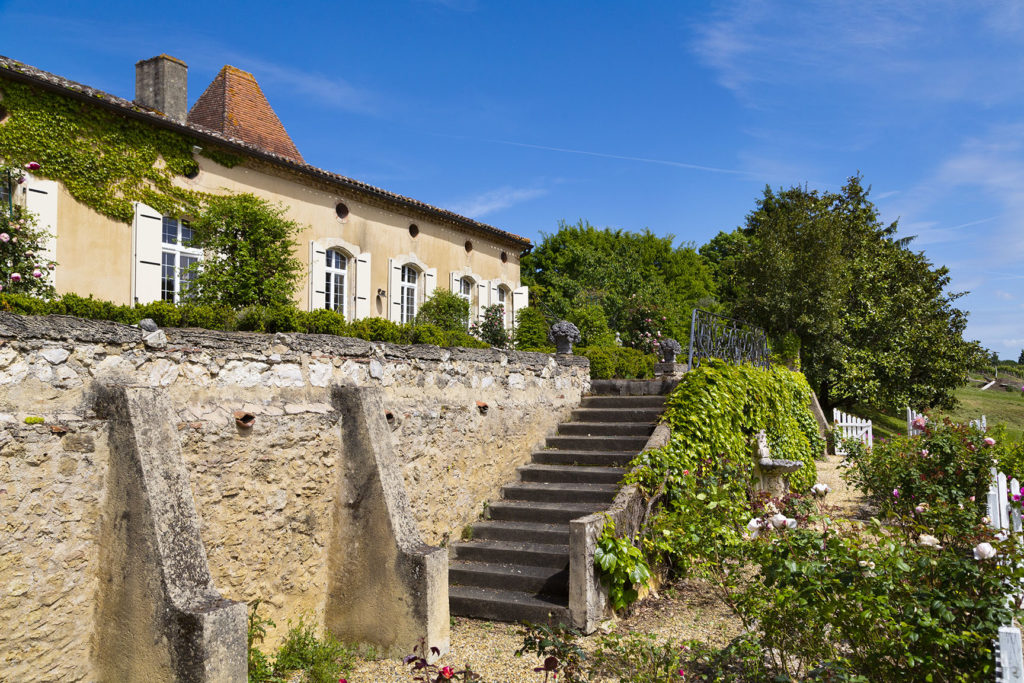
x=72, y=329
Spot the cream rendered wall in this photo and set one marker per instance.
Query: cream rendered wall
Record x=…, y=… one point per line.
x=382, y=232
x=95, y=252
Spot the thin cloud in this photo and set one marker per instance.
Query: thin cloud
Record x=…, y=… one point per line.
x=496, y=200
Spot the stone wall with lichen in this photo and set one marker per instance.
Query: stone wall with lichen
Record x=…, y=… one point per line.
x=462, y=419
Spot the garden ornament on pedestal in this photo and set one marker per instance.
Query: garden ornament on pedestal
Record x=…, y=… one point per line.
x=564, y=334
x=771, y=472
x=670, y=348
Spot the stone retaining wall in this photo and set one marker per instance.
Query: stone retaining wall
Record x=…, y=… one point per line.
x=462, y=421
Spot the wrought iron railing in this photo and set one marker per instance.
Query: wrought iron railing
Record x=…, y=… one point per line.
x=716, y=336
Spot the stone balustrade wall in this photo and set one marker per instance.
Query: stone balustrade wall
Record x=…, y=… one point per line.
x=462, y=421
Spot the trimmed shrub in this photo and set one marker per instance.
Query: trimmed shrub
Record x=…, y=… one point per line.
x=323, y=321
x=592, y=323
x=378, y=329
x=429, y=333
x=447, y=310
x=531, y=333
x=618, y=362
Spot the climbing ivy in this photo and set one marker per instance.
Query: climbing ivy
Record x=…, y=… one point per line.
x=104, y=160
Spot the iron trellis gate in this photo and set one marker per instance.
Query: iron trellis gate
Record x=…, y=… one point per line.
x=716, y=336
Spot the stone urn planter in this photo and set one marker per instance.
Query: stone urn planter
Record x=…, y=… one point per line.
x=563, y=335
x=670, y=348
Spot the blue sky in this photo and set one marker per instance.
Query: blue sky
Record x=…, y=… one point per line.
x=666, y=115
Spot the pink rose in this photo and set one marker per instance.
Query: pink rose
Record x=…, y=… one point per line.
x=895, y=493
x=33, y=166
x=919, y=422
x=447, y=672
x=15, y=277
x=989, y=441
x=37, y=273
x=4, y=237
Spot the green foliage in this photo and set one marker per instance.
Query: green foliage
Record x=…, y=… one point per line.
x=637, y=658
x=582, y=264
x=592, y=323
x=445, y=309
x=248, y=245
x=324, y=321
x=491, y=329
x=378, y=329
x=717, y=409
x=948, y=464
x=623, y=567
x=563, y=656
x=104, y=160
x=23, y=268
x=320, y=659
x=622, y=362
x=34, y=420
x=873, y=319
x=268, y=319
x=531, y=332
x=260, y=667
x=879, y=604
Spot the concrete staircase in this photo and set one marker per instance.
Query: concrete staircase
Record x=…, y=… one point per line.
x=516, y=567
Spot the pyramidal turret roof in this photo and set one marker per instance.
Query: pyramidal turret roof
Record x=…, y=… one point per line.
x=234, y=104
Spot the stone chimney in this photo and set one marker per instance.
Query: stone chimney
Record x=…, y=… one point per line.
x=161, y=83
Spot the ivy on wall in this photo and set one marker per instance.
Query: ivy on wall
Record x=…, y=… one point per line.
x=104, y=160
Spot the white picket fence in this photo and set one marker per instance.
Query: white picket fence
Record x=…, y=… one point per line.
x=912, y=415
x=1006, y=517
x=851, y=427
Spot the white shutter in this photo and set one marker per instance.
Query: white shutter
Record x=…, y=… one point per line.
x=317, y=276
x=431, y=284
x=481, y=298
x=492, y=292
x=520, y=300
x=41, y=200
x=147, y=250
x=394, y=291
x=363, y=291
x=453, y=284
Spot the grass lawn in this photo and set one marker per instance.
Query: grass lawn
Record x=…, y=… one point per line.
x=996, y=404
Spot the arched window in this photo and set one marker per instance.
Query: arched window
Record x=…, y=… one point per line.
x=410, y=277
x=336, y=281
x=177, y=256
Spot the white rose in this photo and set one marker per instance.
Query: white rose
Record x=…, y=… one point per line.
x=928, y=540
x=984, y=551
x=820, y=490
x=778, y=520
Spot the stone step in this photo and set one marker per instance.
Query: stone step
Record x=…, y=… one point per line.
x=597, y=443
x=512, y=552
x=616, y=414
x=606, y=428
x=631, y=387
x=548, y=581
x=645, y=401
x=560, y=492
x=547, y=513
x=571, y=474
x=568, y=456
x=501, y=605
x=523, y=532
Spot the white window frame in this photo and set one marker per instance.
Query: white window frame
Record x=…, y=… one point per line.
x=335, y=300
x=426, y=283
x=409, y=293
x=504, y=298
x=178, y=253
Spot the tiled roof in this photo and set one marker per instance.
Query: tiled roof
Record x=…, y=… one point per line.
x=233, y=104
x=16, y=70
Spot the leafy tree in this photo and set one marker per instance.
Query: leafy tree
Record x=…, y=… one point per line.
x=874, y=320
x=1020, y=359
x=447, y=310
x=592, y=324
x=248, y=246
x=581, y=265
x=23, y=269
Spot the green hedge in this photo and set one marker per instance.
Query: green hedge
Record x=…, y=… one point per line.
x=252, y=319
x=617, y=362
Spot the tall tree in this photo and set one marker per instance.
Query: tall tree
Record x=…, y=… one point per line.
x=874, y=320
x=581, y=265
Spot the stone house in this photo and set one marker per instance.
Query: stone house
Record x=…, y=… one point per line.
x=367, y=251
